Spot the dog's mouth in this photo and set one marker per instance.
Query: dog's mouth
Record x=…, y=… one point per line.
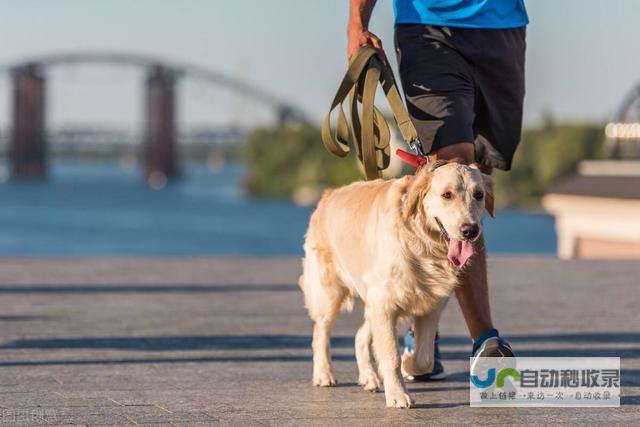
x=459, y=250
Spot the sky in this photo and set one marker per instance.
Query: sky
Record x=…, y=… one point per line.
x=582, y=55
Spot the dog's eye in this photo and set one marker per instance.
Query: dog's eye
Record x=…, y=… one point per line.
x=447, y=195
x=478, y=195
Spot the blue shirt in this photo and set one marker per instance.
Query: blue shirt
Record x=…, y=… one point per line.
x=462, y=13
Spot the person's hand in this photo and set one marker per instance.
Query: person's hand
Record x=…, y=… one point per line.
x=358, y=37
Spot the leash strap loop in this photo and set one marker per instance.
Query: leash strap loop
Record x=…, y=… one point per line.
x=370, y=135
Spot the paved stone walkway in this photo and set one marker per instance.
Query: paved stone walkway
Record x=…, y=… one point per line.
x=120, y=341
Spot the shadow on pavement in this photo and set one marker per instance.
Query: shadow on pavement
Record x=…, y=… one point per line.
x=22, y=318
x=162, y=360
x=630, y=400
x=440, y=405
x=283, y=341
x=577, y=337
x=448, y=380
x=142, y=289
x=178, y=343
x=292, y=342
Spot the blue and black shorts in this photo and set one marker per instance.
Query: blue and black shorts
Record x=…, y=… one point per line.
x=464, y=85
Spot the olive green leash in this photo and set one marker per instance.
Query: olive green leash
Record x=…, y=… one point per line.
x=369, y=133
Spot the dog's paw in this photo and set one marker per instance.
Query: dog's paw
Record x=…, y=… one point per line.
x=370, y=382
x=324, y=379
x=399, y=399
x=410, y=366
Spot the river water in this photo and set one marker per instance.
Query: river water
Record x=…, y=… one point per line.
x=102, y=209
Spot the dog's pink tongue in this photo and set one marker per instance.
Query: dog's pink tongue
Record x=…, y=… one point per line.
x=459, y=251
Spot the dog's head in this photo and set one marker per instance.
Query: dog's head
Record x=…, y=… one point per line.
x=450, y=199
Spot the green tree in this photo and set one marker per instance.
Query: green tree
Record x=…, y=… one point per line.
x=546, y=154
x=285, y=159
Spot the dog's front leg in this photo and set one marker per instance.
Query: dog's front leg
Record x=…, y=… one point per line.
x=383, y=327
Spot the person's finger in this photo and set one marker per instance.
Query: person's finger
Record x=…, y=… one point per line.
x=368, y=40
x=353, y=47
x=377, y=43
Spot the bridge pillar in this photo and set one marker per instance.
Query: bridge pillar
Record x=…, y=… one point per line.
x=27, y=150
x=160, y=132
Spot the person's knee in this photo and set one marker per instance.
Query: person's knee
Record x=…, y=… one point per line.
x=463, y=152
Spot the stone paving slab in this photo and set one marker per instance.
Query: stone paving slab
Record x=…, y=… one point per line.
x=226, y=341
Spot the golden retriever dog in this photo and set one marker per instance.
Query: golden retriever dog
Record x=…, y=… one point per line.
x=398, y=246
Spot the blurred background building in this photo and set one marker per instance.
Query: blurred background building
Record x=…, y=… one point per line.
x=597, y=210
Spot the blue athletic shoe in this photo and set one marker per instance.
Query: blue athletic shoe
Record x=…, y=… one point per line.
x=490, y=344
x=438, y=373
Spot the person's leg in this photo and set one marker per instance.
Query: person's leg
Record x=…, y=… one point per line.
x=462, y=152
x=441, y=93
x=473, y=292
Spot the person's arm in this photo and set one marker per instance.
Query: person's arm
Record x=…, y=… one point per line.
x=357, y=30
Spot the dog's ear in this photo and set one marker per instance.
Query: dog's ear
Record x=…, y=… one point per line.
x=415, y=192
x=489, y=198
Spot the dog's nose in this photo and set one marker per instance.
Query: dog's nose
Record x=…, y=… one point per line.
x=470, y=231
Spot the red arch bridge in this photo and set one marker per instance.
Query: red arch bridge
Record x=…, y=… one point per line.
x=27, y=142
